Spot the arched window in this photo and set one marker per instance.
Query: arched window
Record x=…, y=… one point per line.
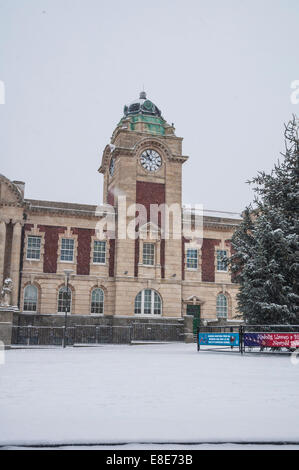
x=64, y=300
x=30, y=298
x=97, y=301
x=148, y=302
x=221, y=306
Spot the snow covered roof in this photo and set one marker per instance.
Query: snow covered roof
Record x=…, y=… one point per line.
x=222, y=214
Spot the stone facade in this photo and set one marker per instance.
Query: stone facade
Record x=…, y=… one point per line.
x=121, y=273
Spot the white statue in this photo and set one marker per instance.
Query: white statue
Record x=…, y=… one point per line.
x=6, y=293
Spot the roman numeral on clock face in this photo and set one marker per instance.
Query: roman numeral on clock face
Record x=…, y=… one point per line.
x=150, y=160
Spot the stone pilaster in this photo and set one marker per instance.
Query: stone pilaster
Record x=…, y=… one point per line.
x=157, y=263
x=15, y=259
x=2, y=248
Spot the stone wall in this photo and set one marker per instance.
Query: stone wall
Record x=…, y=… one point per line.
x=6, y=321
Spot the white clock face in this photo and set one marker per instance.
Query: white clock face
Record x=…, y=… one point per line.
x=150, y=160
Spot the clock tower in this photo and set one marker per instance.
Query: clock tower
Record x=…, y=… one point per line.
x=141, y=273
x=143, y=163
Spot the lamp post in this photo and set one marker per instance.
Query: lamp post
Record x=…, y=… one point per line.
x=67, y=273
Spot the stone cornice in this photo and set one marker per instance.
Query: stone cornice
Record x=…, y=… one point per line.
x=48, y=207
x=220, y=225
x=147, y=140
x=195, y=283
x=116, y=151
x=64, y=212
x=13, y=204
x=179, y=158
x=123, y=151
x=123, y=129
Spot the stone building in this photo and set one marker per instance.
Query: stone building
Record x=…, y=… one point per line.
x=149, y=277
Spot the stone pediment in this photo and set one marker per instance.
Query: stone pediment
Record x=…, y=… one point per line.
x=193, y=299
x=10, y=194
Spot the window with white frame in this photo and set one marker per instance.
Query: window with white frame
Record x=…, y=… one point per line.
x=148, y=256
x=148, y=302
x=99, y=252
x=64, y=300
x=192, y=258
x=30, y=298
x=221, y=264
x=33, y=247
x=97, y=301
x=221, y=306
x=67, y=249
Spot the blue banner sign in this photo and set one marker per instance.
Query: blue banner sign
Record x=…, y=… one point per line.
x=219, y=339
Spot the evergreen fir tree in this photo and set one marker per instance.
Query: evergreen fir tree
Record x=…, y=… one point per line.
x=265, y=246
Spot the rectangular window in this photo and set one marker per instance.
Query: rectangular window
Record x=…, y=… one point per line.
x=99, y=252
x=221, y=265
x=30, y=298
x=33, y=247
x=149, y=254
x=67, y=249
x=192, y=259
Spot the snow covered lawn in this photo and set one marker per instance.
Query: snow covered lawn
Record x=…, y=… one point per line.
x=149, y=393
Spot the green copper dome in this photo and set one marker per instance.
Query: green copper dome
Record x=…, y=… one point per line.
x=143, y=115
x=142, y=106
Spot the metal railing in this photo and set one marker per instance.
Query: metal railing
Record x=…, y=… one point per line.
x=96, y=334
x=79, y=334
x=157, y=331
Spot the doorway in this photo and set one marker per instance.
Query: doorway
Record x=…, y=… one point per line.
x=195, y=311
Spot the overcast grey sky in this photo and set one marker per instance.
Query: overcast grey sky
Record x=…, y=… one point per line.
x=221, y=70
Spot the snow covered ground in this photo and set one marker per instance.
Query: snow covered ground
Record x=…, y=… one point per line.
x=163, y=447
x=166, y=393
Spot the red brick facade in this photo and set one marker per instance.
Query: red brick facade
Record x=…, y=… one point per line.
x=84, y=247
x=111, y=257
x=150, y=193
x=51, y=246
x=147, y=194
x=162, y=258
x=208, y=259
x=136, y=261
x=84, y=251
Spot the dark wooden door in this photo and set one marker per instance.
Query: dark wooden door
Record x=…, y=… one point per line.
x=195, y=311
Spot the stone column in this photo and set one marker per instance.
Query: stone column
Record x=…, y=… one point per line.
x=2, y=249
x=188, y=329
x=15, y=260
